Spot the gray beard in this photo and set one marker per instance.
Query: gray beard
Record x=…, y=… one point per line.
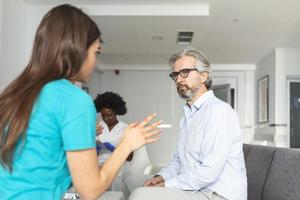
x=185, y=92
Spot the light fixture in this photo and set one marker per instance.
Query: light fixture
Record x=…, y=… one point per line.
x=184, y=37
x=148, y=10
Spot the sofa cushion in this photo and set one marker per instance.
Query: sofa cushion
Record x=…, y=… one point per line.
x=258, y=162
x=111, y=195
x=246, y=148
x=283, y=182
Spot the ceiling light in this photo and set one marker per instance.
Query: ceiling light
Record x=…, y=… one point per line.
x=148, y=10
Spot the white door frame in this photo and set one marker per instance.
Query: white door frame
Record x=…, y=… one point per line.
x=226, y=86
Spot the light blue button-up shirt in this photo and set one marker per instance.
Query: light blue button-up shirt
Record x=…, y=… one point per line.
x=209, y=154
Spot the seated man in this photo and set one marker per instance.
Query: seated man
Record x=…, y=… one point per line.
x=209, y=161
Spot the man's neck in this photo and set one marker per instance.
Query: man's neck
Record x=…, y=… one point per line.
x=199, y=94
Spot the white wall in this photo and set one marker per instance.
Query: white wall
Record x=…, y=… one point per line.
x=287, y=65
x=265, y=67
x=94, y=83
x=35, y=15
x=19, y=24
x=1, y=47
x=249, y=106
x=281, y=65
x=14, y=37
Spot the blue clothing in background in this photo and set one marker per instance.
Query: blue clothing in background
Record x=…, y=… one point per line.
x=63, y=119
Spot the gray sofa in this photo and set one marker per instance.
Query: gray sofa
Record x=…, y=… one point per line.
x=273, y=173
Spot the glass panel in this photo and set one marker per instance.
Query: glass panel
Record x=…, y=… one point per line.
x=224, y=93
x=294, y=115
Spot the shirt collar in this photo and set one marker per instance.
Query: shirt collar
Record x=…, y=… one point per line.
x=199, y=102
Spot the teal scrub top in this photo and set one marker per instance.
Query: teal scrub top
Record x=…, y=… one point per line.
x=63, y=119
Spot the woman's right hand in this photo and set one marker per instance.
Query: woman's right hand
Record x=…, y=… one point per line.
x=138, y=134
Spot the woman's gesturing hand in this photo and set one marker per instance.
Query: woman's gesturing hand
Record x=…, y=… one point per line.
x=138, y=134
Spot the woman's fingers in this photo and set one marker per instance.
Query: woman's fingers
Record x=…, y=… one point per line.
x=152, y=136
x=153, y=126
x=147, y=120
x=151, y=140
x=139, y=134
x=152, y=133
x=134, y=124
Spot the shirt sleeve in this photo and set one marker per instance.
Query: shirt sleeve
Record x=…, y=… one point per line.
x=78, y=124
x=172, y=169
x=215, y=150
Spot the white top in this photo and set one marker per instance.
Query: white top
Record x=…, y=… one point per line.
x=113, y=137
x=209, y=154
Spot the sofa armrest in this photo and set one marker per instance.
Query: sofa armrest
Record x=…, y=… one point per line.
x=152, y=169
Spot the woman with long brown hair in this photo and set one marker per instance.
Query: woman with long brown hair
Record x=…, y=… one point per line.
x=47, y=125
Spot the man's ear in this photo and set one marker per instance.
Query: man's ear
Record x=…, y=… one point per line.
x=203, y=76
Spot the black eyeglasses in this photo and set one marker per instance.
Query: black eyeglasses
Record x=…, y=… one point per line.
x=183, y=73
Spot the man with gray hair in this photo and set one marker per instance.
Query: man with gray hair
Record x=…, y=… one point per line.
x=208, y=162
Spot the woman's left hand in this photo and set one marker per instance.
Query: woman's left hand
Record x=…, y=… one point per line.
x=99, y=129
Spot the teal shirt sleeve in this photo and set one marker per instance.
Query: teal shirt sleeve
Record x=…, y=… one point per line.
x=78, y=124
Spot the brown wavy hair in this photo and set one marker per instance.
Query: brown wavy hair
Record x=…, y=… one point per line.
x=59, y=50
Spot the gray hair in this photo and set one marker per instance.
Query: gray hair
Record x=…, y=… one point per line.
x=202, y=63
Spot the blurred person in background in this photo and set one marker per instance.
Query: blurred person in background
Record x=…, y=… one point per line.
x=111, y=130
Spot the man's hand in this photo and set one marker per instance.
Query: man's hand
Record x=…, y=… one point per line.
x=156, y=181
x=161, y=184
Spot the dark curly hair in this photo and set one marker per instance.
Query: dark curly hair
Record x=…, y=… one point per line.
x=112, y=101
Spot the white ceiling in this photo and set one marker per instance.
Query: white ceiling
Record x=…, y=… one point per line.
x=114, y=2
x=236, y=31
